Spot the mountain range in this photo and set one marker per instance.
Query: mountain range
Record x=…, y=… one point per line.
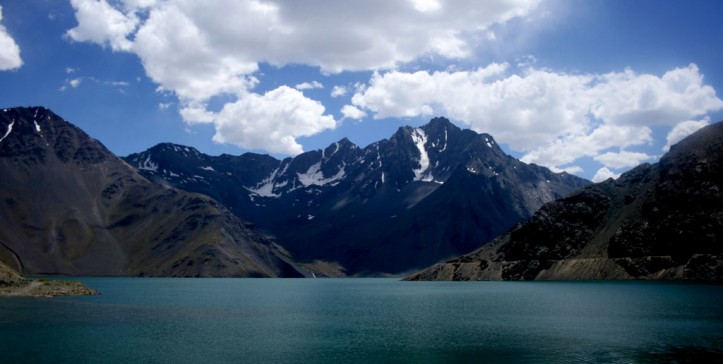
x=423, y=195
x=657, y=221
x=69, y=206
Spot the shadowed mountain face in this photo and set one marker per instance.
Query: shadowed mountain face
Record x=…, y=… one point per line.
x=69, y=206
x=660, y=221
x=421, y=196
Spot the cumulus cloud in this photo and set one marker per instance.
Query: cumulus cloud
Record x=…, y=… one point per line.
x=682, y=130
x=338, y=91
x=9, y=50
x=271, y=121
x=352, y=112
x=309, y=85
x=554, y=117
x=99, y=22
x=622, y=159
x=200, y=50
x=603, y=174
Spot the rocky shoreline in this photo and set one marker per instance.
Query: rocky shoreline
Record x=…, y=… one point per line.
x=46, y=288
x=12, y=284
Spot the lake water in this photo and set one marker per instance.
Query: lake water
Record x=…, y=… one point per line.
x=145, y=320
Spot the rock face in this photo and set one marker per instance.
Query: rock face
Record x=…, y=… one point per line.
x=69, y=206
x=421, y=196
x=660, y=221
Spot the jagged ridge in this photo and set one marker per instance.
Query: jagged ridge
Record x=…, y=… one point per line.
x=423, y=195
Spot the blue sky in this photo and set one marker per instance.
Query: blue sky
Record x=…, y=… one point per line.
x=591, y=87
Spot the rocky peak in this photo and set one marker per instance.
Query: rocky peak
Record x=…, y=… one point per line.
x=35, y=133
x=338, y=201
x=69, y=206
x=657, y=221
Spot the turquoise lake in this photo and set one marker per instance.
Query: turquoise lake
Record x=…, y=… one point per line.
x=147, y=320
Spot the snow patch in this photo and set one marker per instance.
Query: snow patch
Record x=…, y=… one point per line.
x=208, y=168
x=445, y=142
x=37, y=127
x=420, y=139
x=148, y=165
x=265, y=188
x=489, y=142
x=314, y=176
x=10, y=129
x=337, y=147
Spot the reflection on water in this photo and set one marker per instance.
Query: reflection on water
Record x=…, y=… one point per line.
x=367, y=320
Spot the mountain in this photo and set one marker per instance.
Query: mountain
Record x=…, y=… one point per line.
x=659, y=221
x=403, y=203
x=69, y=206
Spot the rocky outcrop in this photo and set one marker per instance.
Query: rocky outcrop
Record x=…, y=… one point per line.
x=660, y=221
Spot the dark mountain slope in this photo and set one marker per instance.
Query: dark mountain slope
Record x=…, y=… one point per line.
x=69, y=206
x=402, y=203
x=660, y=221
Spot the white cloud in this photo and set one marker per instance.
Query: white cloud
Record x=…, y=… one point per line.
x=309, y=85
x=338, y=91
x=569, y=148
x=271, y=121
x=71, y=83
x=352, y=112
x=628, y=98
x=99, y=22
x=138, y=4
x=603, y=173
x=9, y=50
x=555, y=118
x=622, y=159
x=568, y=169
x=426, y=6
x=682, y=130
x=200, y=50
